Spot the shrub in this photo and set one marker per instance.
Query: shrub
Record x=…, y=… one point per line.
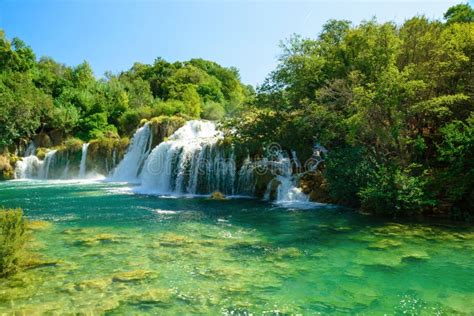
x=12, y=240
x=213, y=111
x=73, y=144
x=6, y=169
x=347, y=172
x=394, y=191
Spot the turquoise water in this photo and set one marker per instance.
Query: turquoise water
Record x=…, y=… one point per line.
x=109, y=251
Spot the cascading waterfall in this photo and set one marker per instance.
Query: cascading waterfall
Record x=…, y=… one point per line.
x=287, y=190
x=190, y=162
x=30, y=150
x=193, y=160
x=28, y=167
x=82, y=166
x=246, y=181
x=48, y=159
x=130, y=167
x=31, y=167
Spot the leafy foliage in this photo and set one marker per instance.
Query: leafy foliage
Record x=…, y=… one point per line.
x=12, y=240
x=393, y=104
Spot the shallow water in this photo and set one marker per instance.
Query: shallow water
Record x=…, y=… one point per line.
x=120, y=253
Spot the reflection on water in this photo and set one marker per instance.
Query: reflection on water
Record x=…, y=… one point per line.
x=108, y=250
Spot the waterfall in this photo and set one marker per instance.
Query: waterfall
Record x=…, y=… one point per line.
x=287, y=192
x=130, y=166
x=30, y=150
x=27, y=167
x=83, y=167
x=48, y=159
x=246, y=179
x=190, y=162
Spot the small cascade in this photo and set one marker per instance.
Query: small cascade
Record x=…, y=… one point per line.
x=190, y=162
x=287, y=190
x=246, y=179
x=31, y=167
x=82, y=166
x=30, y=150
x=48, y=159
x=28, y=167
x=131, y=165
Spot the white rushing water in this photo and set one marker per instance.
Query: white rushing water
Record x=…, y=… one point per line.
x=287, y=192
x=30, y=150
x=31, y=167
x=82, y=166
x=129, y=168
x=190, y=162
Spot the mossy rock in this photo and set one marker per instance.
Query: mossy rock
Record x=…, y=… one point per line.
x=99, y=284
x=216, y=195
x=155, y=296
x=35, y=262
x=99, y=239
x=41, y=152
x=290, y=252
x=415, y=254
x=39, y=225
x=132, y=276
x=73, y=145
x=384, y=244
x=174, y=240
x=43, y=140
x=7, y=172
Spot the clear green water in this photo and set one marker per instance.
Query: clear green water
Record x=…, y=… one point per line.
x=183, y=256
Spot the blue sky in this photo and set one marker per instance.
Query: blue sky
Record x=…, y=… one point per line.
x=112, y=35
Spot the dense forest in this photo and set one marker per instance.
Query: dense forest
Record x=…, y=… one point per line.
x=393, y=104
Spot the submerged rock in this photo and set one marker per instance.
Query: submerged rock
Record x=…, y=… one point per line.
x=131, y=276
x=99, y=239
x=154, y=296
x=35, y=262
x=216, y=195
x=384, y=244
x=39, y=225
x=99, y=284
x=174, y=240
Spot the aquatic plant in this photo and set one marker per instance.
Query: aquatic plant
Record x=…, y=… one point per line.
x=13, y=238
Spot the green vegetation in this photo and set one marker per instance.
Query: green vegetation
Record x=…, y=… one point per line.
x=12, y=240
x=392, y=103
x=43, y=96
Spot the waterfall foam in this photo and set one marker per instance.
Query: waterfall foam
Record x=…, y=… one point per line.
x=287, y=192
x=30, y=150
x=190, y=162
x=82, y=166
x=48, y=159
x=130, y=167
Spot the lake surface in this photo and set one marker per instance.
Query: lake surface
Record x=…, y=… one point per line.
x=110, y=251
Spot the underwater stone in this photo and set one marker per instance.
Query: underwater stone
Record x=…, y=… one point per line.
x=131, y=276
x=39, y=225
x=99, y=284
x=154, y=296
x=98, y=239
x=384, y=244
x=174, y=240
x=216, y=195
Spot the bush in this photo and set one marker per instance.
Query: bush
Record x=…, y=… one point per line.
x=213, y=111
x=393, y=191
x=6, y=169
x=347, y=172
x=13, y=238
x=73, y=144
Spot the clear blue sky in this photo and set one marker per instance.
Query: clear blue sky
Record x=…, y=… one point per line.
x=112, y=35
